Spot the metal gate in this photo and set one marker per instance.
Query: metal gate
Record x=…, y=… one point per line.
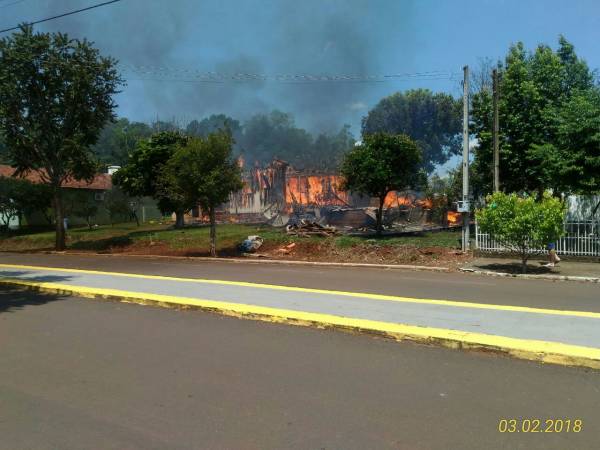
x=580, y=239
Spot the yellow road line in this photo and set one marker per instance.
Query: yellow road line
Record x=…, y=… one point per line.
x=545, y=351
x=458, y=304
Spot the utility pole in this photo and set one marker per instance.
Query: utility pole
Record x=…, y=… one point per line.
x=465, y=165
x=496, y=132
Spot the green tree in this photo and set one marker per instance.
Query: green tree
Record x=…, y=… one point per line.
x=381, y=164
x=21, y=198
x=578, y=142
x=55, y=98
x=4, y=157
x=214, y=123
x=275, y=135
x=549, y=133
x=118, y=139
x=34, y=198
x=203, y=171
x=118, y=205
x=521, y=224
x=140, y=176
x=434, y=121
x=160, y=126
x=328, y=150
x=84, y=205
x=9, y=208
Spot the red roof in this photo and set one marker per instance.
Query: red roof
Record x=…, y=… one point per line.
x=101, y=182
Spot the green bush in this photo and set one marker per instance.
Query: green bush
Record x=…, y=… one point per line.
x=524, y=225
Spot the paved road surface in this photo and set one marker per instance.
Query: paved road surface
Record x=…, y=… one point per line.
x=438, y=314
x=84, y=374
x=450, y=286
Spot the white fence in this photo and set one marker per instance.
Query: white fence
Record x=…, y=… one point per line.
x=580, y=239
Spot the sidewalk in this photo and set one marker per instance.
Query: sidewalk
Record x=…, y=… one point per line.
x=550, y=335
x=536, y=267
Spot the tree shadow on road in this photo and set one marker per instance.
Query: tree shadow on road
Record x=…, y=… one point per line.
x=14, y=298
x=26, y=276
x=516, y=268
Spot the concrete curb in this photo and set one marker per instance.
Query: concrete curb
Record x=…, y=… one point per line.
x=541, y=351
x=530, y=276
x=260, y=261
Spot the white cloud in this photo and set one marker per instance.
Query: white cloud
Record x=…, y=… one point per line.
x=473, y=143
x=357, y=106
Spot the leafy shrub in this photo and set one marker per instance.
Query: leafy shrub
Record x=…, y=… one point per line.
x=524, y=225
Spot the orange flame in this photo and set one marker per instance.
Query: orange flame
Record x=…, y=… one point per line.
x=393, y=200
x=321, y=190
x=453, y=217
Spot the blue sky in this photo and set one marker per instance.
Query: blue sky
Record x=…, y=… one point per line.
x=361, y=37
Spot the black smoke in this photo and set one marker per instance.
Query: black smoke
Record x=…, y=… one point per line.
x=272, y=37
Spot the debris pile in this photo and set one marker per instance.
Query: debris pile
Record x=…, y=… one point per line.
x=251, y=244
x=307, y=227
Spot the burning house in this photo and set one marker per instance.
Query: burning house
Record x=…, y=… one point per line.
x=279, y=194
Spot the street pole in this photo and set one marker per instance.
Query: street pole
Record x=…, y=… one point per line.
x=465, y=165
x=496, y=132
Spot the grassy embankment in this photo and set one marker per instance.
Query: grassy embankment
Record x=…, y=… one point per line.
x=157, y=239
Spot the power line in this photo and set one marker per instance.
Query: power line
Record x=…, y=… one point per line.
x=175, y=80
x=6, y=5
x=150, y=73
x=70, y=13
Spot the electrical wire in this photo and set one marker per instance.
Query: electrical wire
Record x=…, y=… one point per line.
x=6, y=5
x=286, y=82
x=150, y=73
x=70, y=13
x=171, y=74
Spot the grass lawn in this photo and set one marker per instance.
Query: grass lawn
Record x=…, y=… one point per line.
x=156, y=239
x=127, y=234
x=449, y=239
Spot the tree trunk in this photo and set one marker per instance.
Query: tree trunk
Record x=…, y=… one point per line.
x=524, y=258
x=540, y=193
x=213, y=232
x=135, y=217
x=179, y=219
x=60, y=244
x=379, y=215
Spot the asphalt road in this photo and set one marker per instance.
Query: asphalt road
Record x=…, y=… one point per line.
x=85, y=374
x=568, y=328
x=449, y=286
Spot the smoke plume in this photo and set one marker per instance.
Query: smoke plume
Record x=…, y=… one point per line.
x=271, y=37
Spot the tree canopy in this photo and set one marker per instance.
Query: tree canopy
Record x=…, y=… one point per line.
x=434, y=121
x=381, y=164
x=9, y=206
x=203, y=171
x=56, y=95
x=120, y=138
x=141, y=175
x=259, y=140
x=4, y=157
x=522, y=224
x=21, y=198
x=274, y=135
x=81, y=204
x=549, y=111
x=213, y=124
